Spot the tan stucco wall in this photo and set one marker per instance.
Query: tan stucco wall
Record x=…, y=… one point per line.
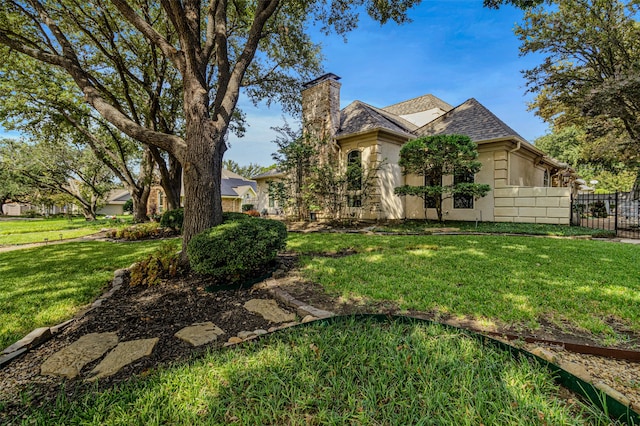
x=524, y=171
x=533, y=205
x=383, y=150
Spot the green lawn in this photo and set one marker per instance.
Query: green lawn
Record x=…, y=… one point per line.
x=359, y=372
x=37, y=230
x=46, y=285
x=510, y=280
x=421, y=226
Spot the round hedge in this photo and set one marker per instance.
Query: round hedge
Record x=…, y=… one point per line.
x=237, y=249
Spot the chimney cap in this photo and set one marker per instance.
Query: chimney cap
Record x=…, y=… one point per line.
x=327, y=76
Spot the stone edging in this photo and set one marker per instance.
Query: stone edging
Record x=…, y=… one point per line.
x=42, y=334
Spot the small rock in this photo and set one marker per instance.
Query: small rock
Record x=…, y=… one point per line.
x=125, y=353
x=6, y=359
x=58, y=328
x=97, y=303
x=246, y=334
x=69, y=361
x=200, y=333
x=119, y=273
x=260, y=332
x=32, y=339
x=308, y=318
x=234, y=339
x=269, y=310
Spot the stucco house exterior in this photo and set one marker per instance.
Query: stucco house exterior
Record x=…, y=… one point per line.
x=526, y=185
x=236, y=191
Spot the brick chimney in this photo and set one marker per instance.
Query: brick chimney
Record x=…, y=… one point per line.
x=321, y=106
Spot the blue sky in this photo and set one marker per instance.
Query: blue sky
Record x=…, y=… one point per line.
x=453, y=49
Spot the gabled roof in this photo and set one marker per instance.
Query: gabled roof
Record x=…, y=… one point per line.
x=360, y=117
x=471, y=118
x=419, y=104
x=233, y=185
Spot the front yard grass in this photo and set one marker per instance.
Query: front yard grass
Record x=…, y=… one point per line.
x=425, y=227
x=46, y=285
x=517, y=281
x=21, y=231
x=355, y=372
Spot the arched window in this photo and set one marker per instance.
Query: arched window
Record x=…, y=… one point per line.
x=354, y=170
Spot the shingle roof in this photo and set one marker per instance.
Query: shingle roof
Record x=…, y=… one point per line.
x=470, y=118
x=358, y=117
x=419, y=104
x=231, y=181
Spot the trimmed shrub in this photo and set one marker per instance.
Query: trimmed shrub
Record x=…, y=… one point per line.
x=247, y=207
x=233, y=217
x=172, y=219
x=237, y=250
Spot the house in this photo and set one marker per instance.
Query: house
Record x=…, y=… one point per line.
x=527, y=185
x=265, y=202
x=236, y=192
x=114, y=204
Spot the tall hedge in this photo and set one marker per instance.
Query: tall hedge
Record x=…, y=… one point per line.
x=237, y=249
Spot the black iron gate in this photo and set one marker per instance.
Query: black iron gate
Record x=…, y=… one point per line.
x=617, y=212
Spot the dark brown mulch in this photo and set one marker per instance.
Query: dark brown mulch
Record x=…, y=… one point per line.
x=138, y=313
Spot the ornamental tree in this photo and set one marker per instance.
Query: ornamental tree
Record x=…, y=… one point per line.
x=433, y=157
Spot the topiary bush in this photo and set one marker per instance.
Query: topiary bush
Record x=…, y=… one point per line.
x=238, y=249
x=172, y=219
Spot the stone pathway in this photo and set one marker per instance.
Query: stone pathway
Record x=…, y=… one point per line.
x=70, y=361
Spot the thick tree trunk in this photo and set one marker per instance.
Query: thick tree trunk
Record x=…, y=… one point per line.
x=173, y=183
x=140, y=198
x=202, y=166
x=202, y=176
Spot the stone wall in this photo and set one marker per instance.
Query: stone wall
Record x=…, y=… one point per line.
x=532, y=205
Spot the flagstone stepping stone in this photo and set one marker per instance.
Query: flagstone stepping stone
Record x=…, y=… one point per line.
x=125, y=353
x=200, y=333
x=69, y=361
x=269, y=310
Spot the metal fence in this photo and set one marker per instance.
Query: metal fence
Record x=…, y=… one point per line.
x=617, y=212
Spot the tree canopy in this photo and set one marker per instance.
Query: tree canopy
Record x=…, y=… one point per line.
x=590, y=73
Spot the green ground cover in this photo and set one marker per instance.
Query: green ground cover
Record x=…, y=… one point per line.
x=341, y=373
x=46, y=285
x=517, y=281
x=37, y=230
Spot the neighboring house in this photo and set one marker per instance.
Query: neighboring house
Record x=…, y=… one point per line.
x=236, y=192
x=114, y=204
x=264, y=200
x=527, y=186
